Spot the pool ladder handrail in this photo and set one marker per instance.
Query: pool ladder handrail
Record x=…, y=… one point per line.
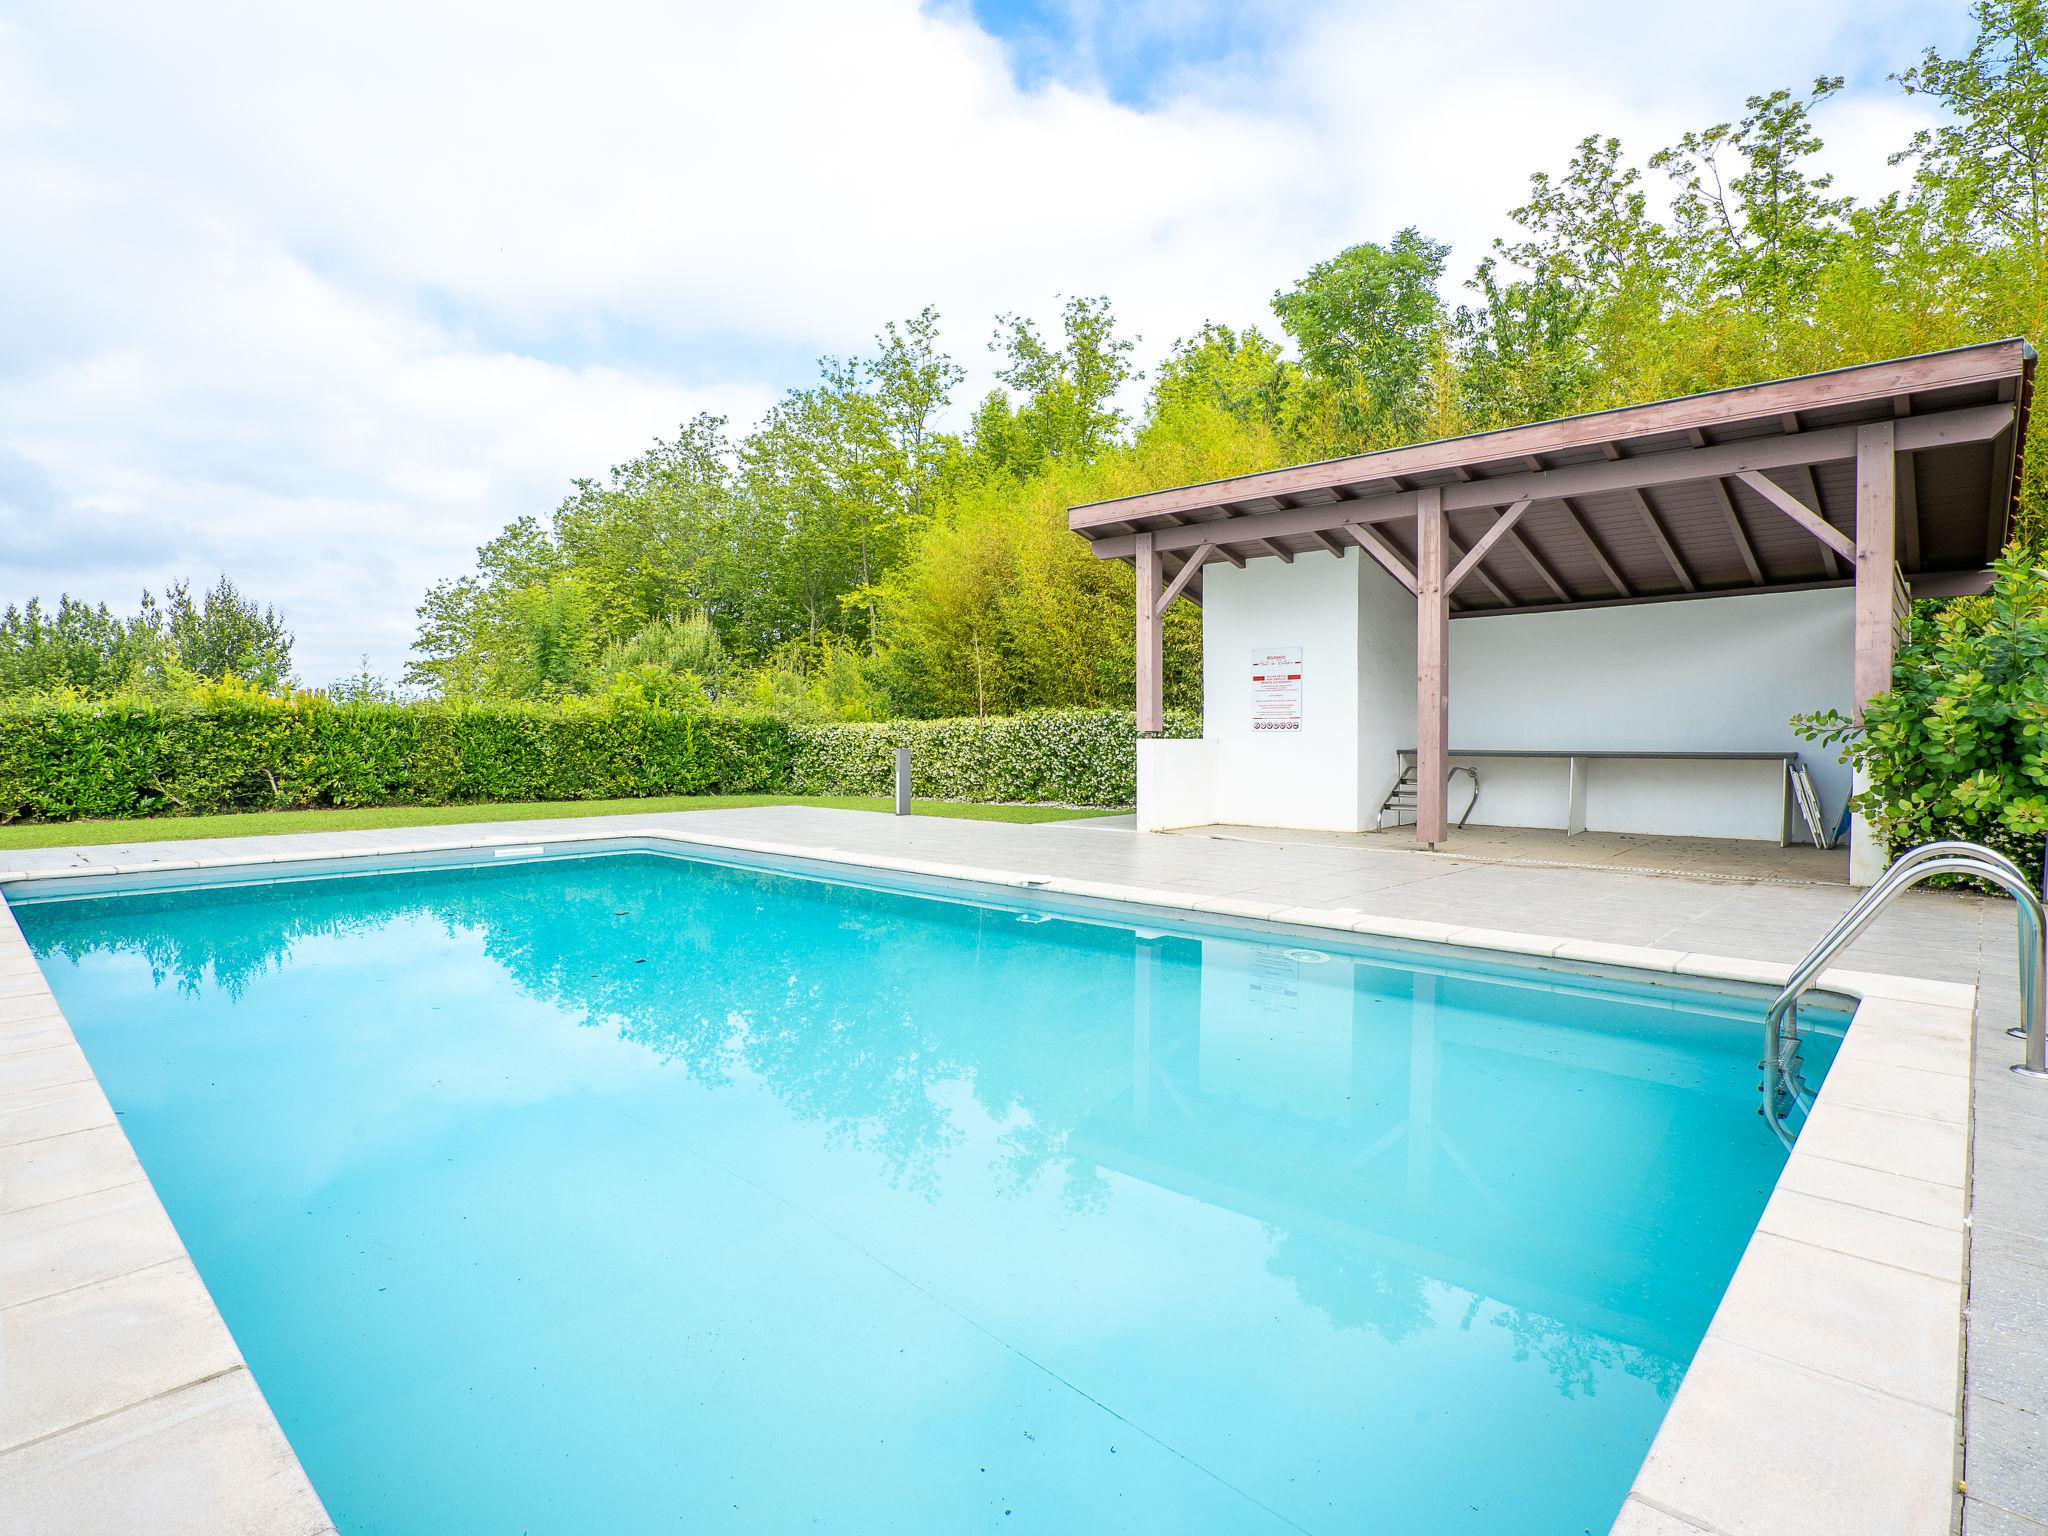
x=1948, y=857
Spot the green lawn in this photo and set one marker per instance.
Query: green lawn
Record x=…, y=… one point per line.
x=53, y=834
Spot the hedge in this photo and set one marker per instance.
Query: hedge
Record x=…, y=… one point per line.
x=229, y=750
x=60, y=761
x=1071, y=756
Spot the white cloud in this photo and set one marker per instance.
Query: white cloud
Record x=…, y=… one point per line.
x=325, y=296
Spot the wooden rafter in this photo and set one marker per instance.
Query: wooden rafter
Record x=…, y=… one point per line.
x=1662, y=539
x=1737, y=532
x=1322, y=537
x=1806, y=517
x=1808, y=492
x=1226, y=552
x=1598, y=550
x=1286, y=555
x=1521, y=547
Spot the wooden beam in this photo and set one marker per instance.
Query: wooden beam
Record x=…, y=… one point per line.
x=1800, y=513
x=1226, y=552
x=1286, y=555
x=1876, y=537
x=1183, y=576
x=1521, y=547
x=1151, y=652
x=1971, y=424
x=1432, y=668
x=1502, y=527
x=1909, y=509
x=1322, y=537
x=1599, y=551
x=1662, y=540
x=1737, y=532
x=1369, y=540
x=1876, y=626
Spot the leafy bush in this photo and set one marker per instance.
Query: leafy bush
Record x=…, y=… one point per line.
x=1074, y=756
x=231, y=748
x=1959, y=746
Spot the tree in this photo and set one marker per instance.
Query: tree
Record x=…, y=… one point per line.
x=223, y=635
x=1756, y=222
x=1069, y=409
x=1987, y=167
x=1364, y=322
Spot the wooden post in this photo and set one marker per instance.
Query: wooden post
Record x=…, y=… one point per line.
x=1876, y=555
x=1432, y=666
x=1151, y=657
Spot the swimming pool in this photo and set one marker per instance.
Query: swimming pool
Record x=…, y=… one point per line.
x=647, y=1192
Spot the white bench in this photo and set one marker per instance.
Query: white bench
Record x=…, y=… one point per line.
x=1795, y=784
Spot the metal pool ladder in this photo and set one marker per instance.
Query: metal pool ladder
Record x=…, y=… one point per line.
x=1783, y=1086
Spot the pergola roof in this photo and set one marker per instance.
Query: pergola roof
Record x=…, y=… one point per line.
x=1738, y=490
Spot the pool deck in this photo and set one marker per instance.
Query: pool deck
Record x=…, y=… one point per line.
x=65, y=1168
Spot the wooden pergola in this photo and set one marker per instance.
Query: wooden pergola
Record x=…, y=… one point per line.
x=1897, y=477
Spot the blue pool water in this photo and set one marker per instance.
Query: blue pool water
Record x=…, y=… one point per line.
x=643, y=1193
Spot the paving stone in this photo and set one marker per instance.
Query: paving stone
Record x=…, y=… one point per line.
x=207, y=1460
x=96, y=1349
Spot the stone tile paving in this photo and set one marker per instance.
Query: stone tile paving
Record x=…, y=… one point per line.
x=1755, y=904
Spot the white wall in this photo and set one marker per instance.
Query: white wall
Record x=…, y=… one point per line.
x=1306, y=778
x=1721, y=674
x=1718, y=674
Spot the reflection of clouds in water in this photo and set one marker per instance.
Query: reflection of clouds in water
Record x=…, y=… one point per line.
x=947, y=1045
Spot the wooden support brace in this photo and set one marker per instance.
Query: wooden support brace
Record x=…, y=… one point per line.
x=1500, y=530
x=1800, y=513
x=1369, y=540
x=1182, y=577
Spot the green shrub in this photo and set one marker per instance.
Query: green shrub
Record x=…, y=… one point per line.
x=1073, y=756
x=231, y=749
x=1959, y=746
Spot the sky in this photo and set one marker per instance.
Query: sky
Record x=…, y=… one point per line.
x=323, y=296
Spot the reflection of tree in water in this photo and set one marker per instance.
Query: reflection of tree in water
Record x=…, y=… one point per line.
x=873, y=1014
x=1577, y=1358
x=882, y=1004
x=1349, y=1288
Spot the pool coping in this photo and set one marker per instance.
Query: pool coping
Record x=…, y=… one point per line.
x=1825, y=1395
